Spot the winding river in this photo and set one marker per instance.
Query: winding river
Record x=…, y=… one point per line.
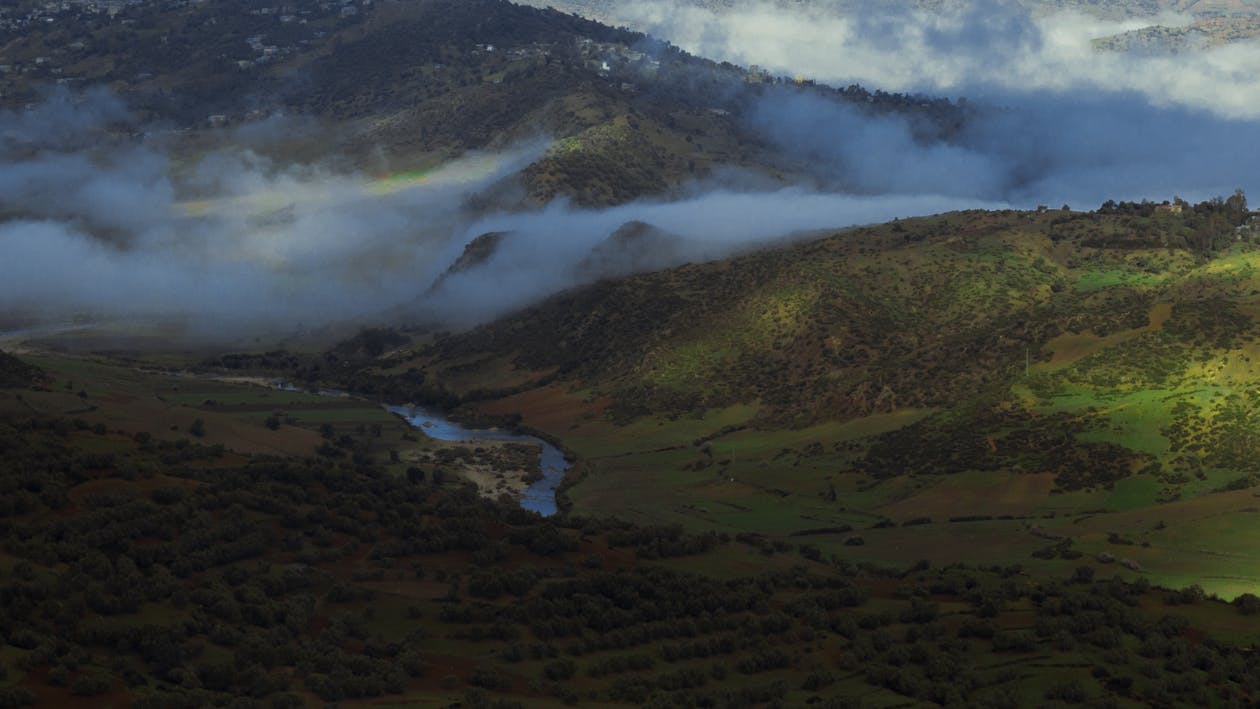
x=540, y=496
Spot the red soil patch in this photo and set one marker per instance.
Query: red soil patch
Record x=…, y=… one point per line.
x=248, y=438
x=1194, y=636
x=548, y=408
x=612, y=559
x=1017, y=495
x=107, y=485
x=46, y=696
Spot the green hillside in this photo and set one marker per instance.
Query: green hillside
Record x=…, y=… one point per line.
x=993, y=374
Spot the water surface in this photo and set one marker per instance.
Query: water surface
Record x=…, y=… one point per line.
x=540, y=496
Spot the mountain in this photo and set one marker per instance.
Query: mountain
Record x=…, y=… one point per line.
x=606, y=10
x=400, y=87
x=1068, y=362
x=982, y=458
x=636, y=247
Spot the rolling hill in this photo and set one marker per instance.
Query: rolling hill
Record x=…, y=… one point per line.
x=1071, y=363
x=981, y=458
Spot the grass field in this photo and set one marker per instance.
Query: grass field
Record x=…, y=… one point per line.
x=133, y=400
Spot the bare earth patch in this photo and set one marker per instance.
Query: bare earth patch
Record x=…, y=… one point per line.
x=495, y=467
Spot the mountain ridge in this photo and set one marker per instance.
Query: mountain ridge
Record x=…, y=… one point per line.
x=405, y=86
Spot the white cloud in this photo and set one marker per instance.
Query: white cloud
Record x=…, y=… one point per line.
x=105, y=232
x=544, y=250
x=971, y=48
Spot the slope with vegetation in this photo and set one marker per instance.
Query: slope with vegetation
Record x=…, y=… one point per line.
x=16, y=373
x=992, y=374
x=403, y=86
x=149, y=569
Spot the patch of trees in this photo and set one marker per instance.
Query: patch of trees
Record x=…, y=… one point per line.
x=1204, y=227
x=16, y=373
x=658, y=542
x=250, y=583
x=271, y=361
x=965, y=439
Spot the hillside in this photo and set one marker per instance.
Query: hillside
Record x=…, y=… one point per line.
x=16, y=373
x=1067, y=363
x=399, y=87
x=890, y=308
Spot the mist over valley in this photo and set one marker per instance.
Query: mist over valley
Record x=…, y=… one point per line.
x=664, y=353
x=190, y=214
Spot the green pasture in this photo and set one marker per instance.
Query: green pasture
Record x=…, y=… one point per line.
x=1100, y=279
x=133, y=399
x=759, y=444
x=223, y=394
x=597, y=440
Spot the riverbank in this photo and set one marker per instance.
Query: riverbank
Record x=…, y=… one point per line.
x=525, y=466
x=497, y=468
x=539, y=493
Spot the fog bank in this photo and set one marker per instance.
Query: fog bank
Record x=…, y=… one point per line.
x=238, y=243
x=93, y=223
x=964, y=48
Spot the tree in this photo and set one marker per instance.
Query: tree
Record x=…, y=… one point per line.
x=1247, y=604
x=1236, y=208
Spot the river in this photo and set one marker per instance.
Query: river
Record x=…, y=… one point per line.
x=540, y=496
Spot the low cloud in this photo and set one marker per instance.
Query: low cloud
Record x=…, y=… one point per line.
x=975, y=48
x=63, y=121
x=98, y=224
x=110, y=233
x=238, y=243
x=1051, y=119
x=1027, y=149
x=543, y=252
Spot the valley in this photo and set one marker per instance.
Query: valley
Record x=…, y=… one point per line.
x=471, y=353
x=1047, y=387
x=1034, y=506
